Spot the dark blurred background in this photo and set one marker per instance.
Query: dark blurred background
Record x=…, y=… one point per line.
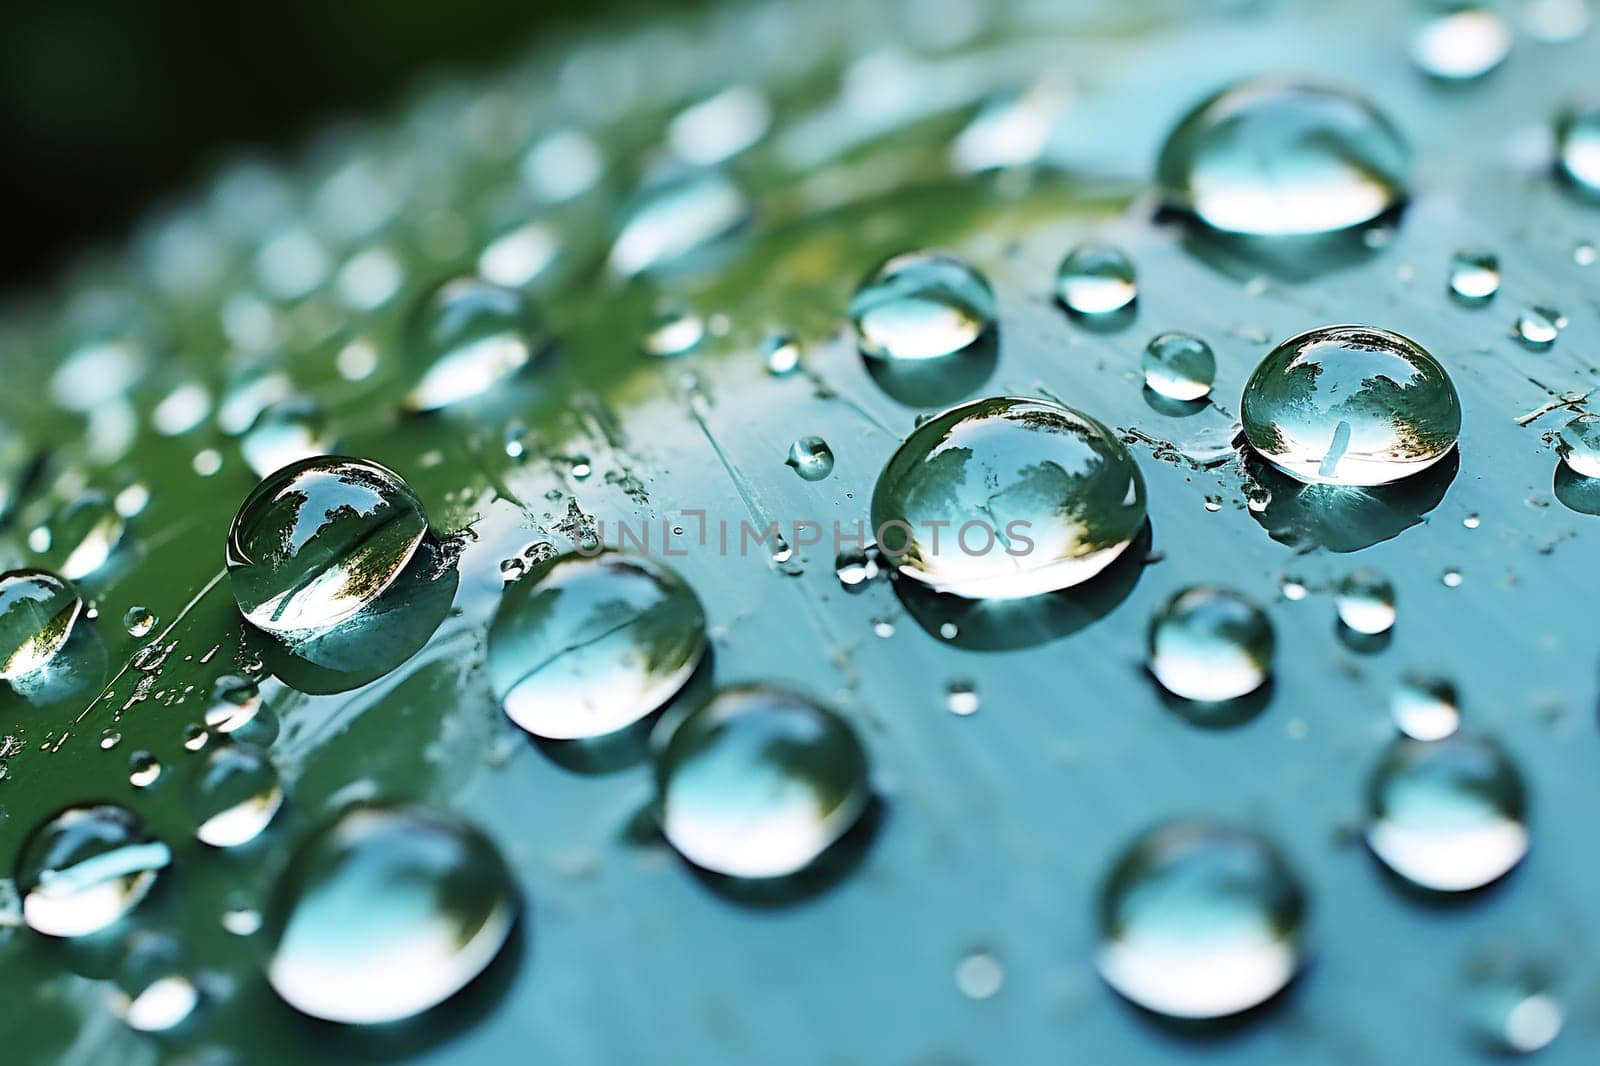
x=107, y=105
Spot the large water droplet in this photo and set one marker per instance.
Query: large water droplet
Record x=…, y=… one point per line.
x=1474, y=276
x=386, y=911
x=1578, y=147
x=922, y=305
x=1350, y=405
x=1200, y=920
x=583, y=647
x=1365, y=601
x=759, y=782
x=1210, y=645
x=320, y=540
x=1007, y=497
x=1271, y=159
x=37, y=612
x=1179, y=366
x=234, y=796
x=85, y=868
x=1580, y=445
x=1447, y=814
x=811, y=458
x=467, y=336
x=1096, y=279
x=1459, y=42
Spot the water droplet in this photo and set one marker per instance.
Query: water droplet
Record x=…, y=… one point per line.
x=517, y=257
x=195, y=737
x=584, y=647
x=855, y=568
x=1538, y=326
x=1350, y=405
x=37, y=612
x=922, y=305
x=1210, y=644
x=759, y=782
x=1424, y=707
x=781, y=353
x=980, y=975
x=1270, y=159
x=235, y=704
x=1007, y=497
x=85, y=868
x=1179, y=367
x=1451, y=578
x=1584, y=253
x=1459, y=42
x=384, y=912
x=676, y=219
x=143, y=769
x=466, y=337
x=1365, y=601
x=234, y=796
x=1578, y=147
x=1447, y=815
x=1200, y=920
x=1580, y=445
x=320, y=540
x=961, y=698
x=1474, y=276
x=156, y=992
x=285, y=432
x=242, y=921
x=675, y=329
x=811, y=458
x=110, y=740
x=138, y=621
x=719, y=127
x=1472, y=521
x=82, y=535
x=1513, y=1005
x=882, y=628
x=1096, y=279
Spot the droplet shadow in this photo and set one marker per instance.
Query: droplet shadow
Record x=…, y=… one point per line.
x=830, y=868
x=937, y=382
x=1288, y=259
x=1345, y=519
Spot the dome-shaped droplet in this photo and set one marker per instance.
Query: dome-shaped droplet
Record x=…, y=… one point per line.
x=1424, y=707
x=1200, y=920
x=156, y=992
x=1365, y=602
x=466, y=337
x=234, y=796
x=1007, y=497
x=1096, y=279
x=781, y=353
x=82, y=535
x=320, y=540
x=1350, y=405
x=1513, y=1005
x=674, y=329
x=583, y=647
x=85, y=868
x=1447, y=815
x=1459, y=42
x=1179, y=366
x=384, y=912
x=1578, y=147
x=922, y=305
x=677, y=218
x=1580, y=445
x=811, y=458
x=37, y=612
x=1271, y=159
x=759, y=782
x=138, y=621
x=285, y=432
x=1538, y=326
x=1474, y=276
x=1210, y=644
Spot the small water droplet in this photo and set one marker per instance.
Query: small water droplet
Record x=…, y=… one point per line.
x=1459, y=42
x=855, y=568
x=811, y=458
x=1538, y=326
x=1578, y=147
x=1200, y=920
x=980, y=975
x=1579, y=446
x=587, y=646
x=882, y=628
x=781, y=353
x=85, y=868
x=83, y=534
x=1513, y=1006
x=1472, y=521
x=320, y=540
x=961, y=698
x=1365, y=601
x=138, y=621
x=1096, y=279
x=759, y=782
x=675, y=329
x=1179, y=366
x=466, y=337
x=922, y=305
x=1350, y=405
x=1474, y=276
x=1007, y=497
x=143, y=769
x=242, y=921
x=1210, y=644
x=156, y=991
x=1424, y=707
x=1447, y=814
x=384, y=912
x=234, y=796
x=1273, y=159
x=195, y=737
x=1451, y=578
x=37, y=612
x=1584, y=253
x=677, y=218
